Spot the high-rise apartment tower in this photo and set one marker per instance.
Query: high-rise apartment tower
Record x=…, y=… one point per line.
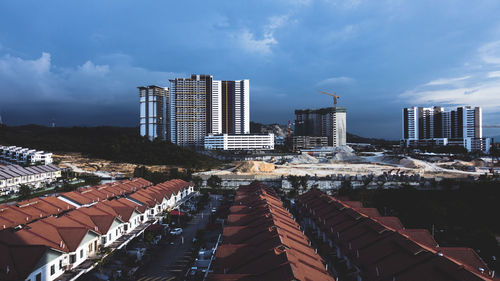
x=435, y=126
x=200, y=105
x=153, y=118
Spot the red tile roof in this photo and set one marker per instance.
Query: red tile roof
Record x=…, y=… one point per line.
x=59, y=234
x=118, y=209
x=263, y=242
x=18, y=260
x=382, y=248
x=78, y=198
x=138, y=207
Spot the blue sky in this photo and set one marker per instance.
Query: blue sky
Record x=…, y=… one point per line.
x=79, y=62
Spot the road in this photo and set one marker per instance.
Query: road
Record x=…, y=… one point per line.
x=171, y=261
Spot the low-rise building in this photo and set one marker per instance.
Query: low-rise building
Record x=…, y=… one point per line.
x=24, y=156
x=239, y=142
x=262, y=241
x=53, y=236
x=375, y=247
x=12, y=176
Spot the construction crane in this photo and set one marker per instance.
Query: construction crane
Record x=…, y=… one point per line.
x=334, y=95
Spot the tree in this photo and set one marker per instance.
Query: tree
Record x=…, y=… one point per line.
x=294, y=182
x=345, y=189
x=214, y=181
x=24, y=191
x=197, y=181
x=303, y=182
x=174, y=173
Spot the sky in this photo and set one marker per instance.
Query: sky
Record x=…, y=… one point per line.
x=79, y=62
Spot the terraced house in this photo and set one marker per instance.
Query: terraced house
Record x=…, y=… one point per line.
x=262, y=241
x=13, y=176
x=59, y=237
x=363, y=245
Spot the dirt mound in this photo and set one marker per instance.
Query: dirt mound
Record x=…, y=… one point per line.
x=255, y=167
x=303, y=158
x=410, y=163
x=344, y=153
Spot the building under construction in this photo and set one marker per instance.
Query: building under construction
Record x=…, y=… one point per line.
x=327, y=122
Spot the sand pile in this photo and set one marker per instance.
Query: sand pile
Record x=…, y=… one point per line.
x=344, y=153
x=303, y=158
x=255, y=167
x=410, y=163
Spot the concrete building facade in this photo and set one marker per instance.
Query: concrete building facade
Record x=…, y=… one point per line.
x=13, y=176
x=190, y=109
x=194, y=107
x=239, y=142
x=24, y=156
x=439, y=127
x=153, y=112
x=325, y=122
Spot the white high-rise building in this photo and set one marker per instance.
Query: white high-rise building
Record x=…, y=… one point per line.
x=339, y=127
x=195, y=107
x=436, y=126
x=216, y=107
x=200, y=106
x=153, y=104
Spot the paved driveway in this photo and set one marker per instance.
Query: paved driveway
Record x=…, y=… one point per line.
x=172, y=259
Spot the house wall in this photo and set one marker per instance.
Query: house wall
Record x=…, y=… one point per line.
x=53, y=258
x=114, y=232
x=82, y=252
x=135, y=220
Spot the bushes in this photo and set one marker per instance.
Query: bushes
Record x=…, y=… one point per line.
x=111, y=143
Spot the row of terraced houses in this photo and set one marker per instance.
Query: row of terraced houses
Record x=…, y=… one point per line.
x=363, y=245
x=330, y=239
x=59, y=237
x=262, y=241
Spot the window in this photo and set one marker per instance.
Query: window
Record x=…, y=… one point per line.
x=52, y=270
x=90, y=247
x=72, y=258
x=38, y=277
x=81, y=253
x=60, y=265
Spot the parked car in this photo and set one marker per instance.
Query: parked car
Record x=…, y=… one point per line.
x=214, y=210
x=176, y=231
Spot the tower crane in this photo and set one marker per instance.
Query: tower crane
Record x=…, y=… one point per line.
x=334, y=95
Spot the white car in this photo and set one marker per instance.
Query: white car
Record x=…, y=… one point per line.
x=214, y=210
x=176, y=231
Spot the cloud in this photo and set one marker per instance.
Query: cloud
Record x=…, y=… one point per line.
x=494, y=74
x=490, y=52
x=249, y=42
x=335, y=80
x=446, y=81
x=79, y=87
x=485, y=96
x=481, y=87
x=91, y=69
